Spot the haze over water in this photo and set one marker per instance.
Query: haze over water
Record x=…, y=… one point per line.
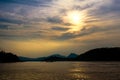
x=60, y=71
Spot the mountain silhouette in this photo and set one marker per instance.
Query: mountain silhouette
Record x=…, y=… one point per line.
x=25, y=58
x=98, y=54
x=47, y=58
x=101, y=54
x=8, y=57
x=72, y=55
x=55, y=57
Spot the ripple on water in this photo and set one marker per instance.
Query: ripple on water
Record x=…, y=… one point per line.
x=60, y=71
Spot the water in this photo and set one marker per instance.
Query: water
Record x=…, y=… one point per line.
x=60, y=71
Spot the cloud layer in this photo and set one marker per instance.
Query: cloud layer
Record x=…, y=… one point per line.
x=24, y=20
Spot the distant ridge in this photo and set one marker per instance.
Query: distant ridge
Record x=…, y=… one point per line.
x=25, y=58
x=98, y=54
x=72, y=55
x=46, y=58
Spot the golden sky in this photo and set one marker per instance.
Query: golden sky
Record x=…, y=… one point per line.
x=43, y=27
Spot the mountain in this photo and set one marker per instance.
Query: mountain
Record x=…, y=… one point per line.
x=55, y=57
x=100, y=54
x=31, y=59
x=72, y=55
x=25, y=58
x=42, y=58
x=8, y=57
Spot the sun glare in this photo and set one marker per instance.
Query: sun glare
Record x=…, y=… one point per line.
x=76, y=18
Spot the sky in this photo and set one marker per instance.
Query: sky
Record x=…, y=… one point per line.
x=36, y=28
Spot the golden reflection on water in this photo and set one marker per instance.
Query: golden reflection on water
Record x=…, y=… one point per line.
x=77, y=72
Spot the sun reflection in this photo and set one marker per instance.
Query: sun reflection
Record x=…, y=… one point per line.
x=77, y=72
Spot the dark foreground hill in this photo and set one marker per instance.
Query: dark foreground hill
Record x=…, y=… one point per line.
x=100, y=54
x=8, y=57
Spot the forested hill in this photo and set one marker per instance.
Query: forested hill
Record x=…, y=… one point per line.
x=8, y=57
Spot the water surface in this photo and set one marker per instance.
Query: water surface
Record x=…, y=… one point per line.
x=60, y=71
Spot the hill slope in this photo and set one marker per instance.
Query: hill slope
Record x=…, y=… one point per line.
x=101, y=54
x=8, y=57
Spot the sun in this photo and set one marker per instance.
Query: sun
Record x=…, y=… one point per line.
x=74, y=17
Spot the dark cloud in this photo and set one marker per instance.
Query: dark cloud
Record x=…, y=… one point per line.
x=113, y=8
x=66, y=36
x=7, y=20
x=3, y=26
x=54, y=19
x=79, y=7
x=59, y=28
x=57, y=20
x=27, y=2
x=102, y=12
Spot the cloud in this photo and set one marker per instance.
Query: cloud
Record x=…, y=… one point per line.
x=3, y=26
x=6, y=20
x=42, y=14
x=59, y=28
x=54, y=19
x=18, y=34
x=27, y=2
x=108, y=10
x=86, y=32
